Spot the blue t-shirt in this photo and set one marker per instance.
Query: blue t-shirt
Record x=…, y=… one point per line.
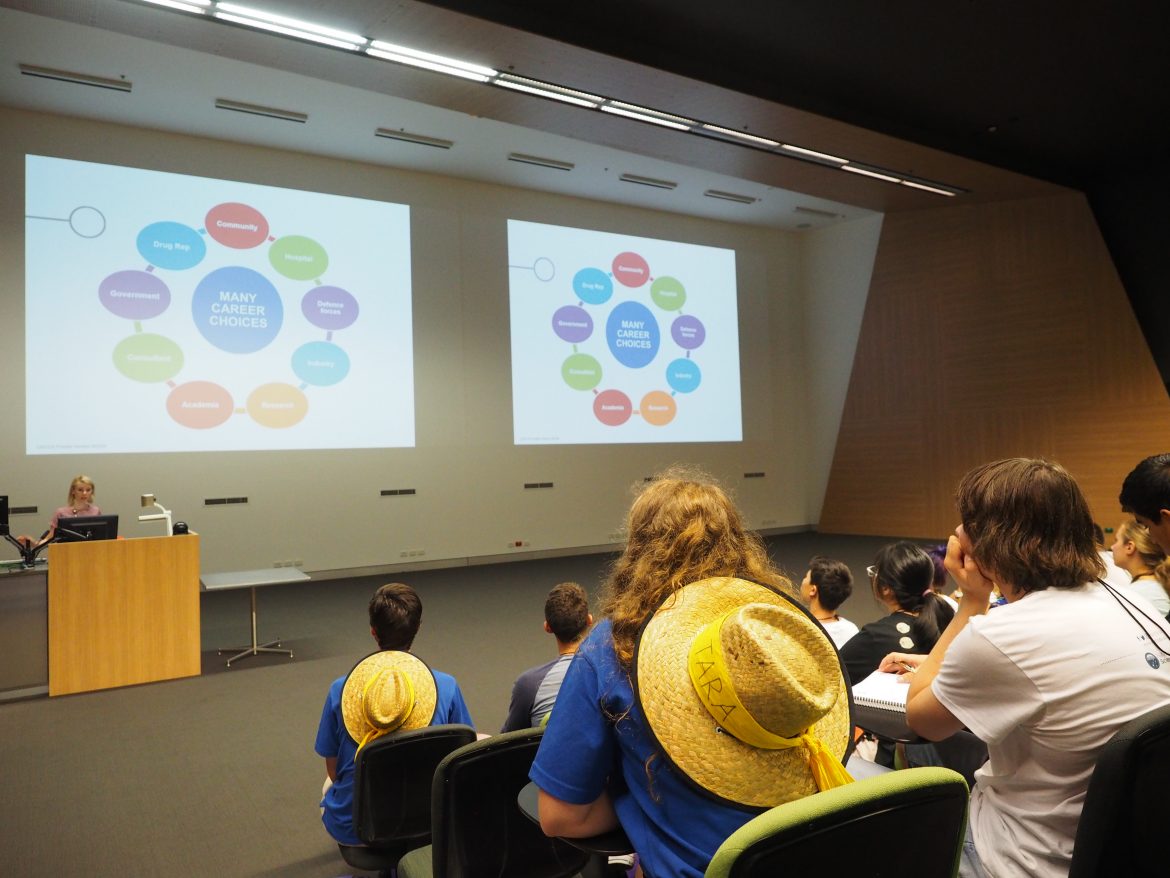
x=597, y=737
x=334, y=740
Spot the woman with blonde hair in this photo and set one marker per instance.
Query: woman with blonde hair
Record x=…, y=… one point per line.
x=80, y=503
x=1135, y=552
x=706, y=695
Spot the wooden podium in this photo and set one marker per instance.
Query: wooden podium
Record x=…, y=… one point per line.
x=123, y=612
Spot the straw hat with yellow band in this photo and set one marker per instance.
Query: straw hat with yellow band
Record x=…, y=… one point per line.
x=387, y=692
x=744, y=693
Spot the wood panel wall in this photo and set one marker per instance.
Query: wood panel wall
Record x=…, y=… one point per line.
x=990, y=331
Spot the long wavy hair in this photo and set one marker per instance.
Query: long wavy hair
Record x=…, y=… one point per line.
x=682, y=527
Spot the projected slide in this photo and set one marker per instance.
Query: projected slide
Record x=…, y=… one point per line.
x=175, y=313
x=621, y=339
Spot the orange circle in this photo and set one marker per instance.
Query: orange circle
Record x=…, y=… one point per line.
x=657, y=408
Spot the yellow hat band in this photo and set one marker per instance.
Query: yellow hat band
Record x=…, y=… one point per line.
x=713, y=683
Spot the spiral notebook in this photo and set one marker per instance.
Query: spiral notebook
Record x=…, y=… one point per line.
x=883, y=691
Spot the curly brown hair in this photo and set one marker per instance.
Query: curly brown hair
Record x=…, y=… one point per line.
x=682, y=527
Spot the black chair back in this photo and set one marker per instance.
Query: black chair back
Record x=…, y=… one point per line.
x=392, y=791
x=478, y=829
x=1121, y=832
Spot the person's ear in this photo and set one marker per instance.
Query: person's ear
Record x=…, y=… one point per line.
x=374, y=634
x=589, y=616
x=1163, y=516
x=547, y=630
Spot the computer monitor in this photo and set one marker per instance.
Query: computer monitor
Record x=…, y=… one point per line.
x=87, y=527
x=3, y=515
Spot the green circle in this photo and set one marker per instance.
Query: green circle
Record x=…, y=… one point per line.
x=668, y=293
x=148, y=358
x=581, y=372
x=298, y=257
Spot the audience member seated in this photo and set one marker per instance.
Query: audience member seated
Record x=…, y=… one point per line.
x=705, y=695
x=567, y=619
x=1046, y=679
x=937, y=555
x=1114, y=575
x=826, y=586
x=387, y=691
x=1145, y=494
x=1135, y=552
x=901, y=578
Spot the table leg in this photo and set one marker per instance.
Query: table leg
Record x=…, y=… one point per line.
x=255, y=648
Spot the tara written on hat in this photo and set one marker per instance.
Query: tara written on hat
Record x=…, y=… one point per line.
x=744, y=693
x=387, y=691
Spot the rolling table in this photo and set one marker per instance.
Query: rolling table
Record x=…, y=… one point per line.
x=252, y=579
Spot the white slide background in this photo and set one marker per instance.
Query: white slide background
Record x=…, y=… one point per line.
x=348, y=379
x=551, y=268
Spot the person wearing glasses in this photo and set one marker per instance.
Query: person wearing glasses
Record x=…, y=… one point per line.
x=902, y=578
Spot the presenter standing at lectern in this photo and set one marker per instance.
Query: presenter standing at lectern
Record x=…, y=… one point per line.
x=80, y=503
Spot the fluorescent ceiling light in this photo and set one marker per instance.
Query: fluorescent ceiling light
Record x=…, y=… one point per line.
x=648, y=181
x=730, y=196
x=75, y=78
x=260, y=110
x=950, y=193
x=556, y=164
x=877, y=175
x=420, y=139
x=547, y=90
x=297, y=24
x=286, y=31
x=813, y=154
x=196, y=6
x=740, y=135
x=429, y=61
x=641, y=117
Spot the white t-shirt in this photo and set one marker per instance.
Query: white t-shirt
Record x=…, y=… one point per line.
x=840, y=630
x=1045, y=682
x=1151, y=590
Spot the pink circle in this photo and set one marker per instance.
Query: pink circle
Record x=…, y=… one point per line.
x=239, y=226
x=630, y=269
x=612, y=408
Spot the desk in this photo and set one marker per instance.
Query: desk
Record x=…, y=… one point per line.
x=24, y=631
x=252, y=579
x=614, y=843
x=123, y=612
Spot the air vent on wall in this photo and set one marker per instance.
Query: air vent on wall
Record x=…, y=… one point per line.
x=420, y=139
x=812, y=211
x=555, y=164
x=75, y=78
x=260, y=110
x=730, y=196
x=648, y=181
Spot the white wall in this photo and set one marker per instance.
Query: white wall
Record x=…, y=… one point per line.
x=324, y=507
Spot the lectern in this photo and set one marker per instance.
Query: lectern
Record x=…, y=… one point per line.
x=123, y=612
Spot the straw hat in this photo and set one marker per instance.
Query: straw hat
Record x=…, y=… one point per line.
x=755, y=659
x=387, y=691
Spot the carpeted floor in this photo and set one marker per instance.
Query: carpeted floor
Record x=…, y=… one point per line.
x=215, y=776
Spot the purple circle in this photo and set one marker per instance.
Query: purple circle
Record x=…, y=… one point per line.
x=135, y=295
x=572, y=324
x=688, y=332
x=329, y=307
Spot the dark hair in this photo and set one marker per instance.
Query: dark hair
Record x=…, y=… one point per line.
x=937, y=554
x=395, y=614
x=906, y=569
x=1029, y=524
x=833, y=580
x=1146, y=490
x=567, y=612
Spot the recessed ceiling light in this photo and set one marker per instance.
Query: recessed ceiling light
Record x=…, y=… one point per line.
x=648, y=181
x=260, y=110
x=730, y=196
x=555, y=164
